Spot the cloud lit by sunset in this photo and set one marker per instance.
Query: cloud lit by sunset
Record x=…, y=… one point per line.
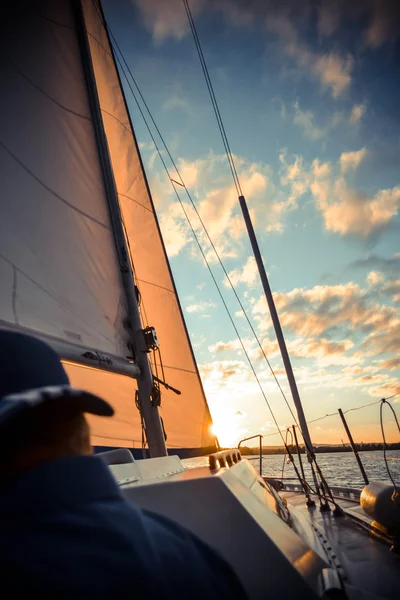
x=309, y=95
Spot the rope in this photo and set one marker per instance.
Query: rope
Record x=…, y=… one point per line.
x=284, y=454
x=307, y=489
x=142, y=423
x=395, y=495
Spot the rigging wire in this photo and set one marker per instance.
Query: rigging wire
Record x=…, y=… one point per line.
x=209, y=268
x=125, y=66
x=235, y=176
x=393, y=396
x=121, y=65
x=182, y=184
x=325, y=487
x=344, y=412
x=213, y=98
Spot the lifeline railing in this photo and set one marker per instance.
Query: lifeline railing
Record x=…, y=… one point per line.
x=252, y=438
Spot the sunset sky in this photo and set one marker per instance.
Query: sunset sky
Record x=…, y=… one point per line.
x=310, y=95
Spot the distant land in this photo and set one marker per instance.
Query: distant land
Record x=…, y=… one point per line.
x=319, y=448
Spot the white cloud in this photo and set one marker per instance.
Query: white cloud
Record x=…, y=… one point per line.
x=166, y=19
x=216, y=200
x=326, y=352
x=231, y=374
x=386, y=390
x=306, y=121
x=296, y=177
x=176, y=233
x=275, y=227
x=357, y=213
x=331, y=69
x=177, y=102
x=313, y=313
x=390, y=364
x=392, y=288
x=190, y=171
x=357, y=112
x=248, y=275
x=200, y=307
x=374, y=277
x=345, y=209
x=223, y=346
x=351, y=160
x=339, y=327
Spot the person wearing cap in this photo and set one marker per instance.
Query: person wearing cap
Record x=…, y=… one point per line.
x=66, y=530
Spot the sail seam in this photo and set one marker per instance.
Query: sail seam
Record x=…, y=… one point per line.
x=39, y=89
x=52, y=192
x=136, y=201
x=116, y=118
x=64, y=307
x=50, y=20
x=156, y=285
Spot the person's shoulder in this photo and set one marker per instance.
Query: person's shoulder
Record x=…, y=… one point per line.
x=190, y=559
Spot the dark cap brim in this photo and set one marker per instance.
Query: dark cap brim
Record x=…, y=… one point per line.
x=55, y=397
x=89, y=403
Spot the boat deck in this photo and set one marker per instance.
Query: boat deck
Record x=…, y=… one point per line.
x=365, y=561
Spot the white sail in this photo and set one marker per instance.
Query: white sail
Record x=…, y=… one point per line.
x=59, y=271
x=59, y=275
x=58, y=266
x=186, y=417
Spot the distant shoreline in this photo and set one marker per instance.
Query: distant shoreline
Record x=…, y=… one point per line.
x=245, y=450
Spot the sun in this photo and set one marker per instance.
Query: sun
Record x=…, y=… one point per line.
x=228, y=428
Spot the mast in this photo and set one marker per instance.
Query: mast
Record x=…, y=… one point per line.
x=154, y=430
x=277, y=327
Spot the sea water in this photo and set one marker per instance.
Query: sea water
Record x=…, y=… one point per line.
x=339, y=468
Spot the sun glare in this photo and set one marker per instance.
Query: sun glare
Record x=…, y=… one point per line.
x=228, y=428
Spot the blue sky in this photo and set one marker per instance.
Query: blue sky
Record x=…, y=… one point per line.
x=309, y=93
